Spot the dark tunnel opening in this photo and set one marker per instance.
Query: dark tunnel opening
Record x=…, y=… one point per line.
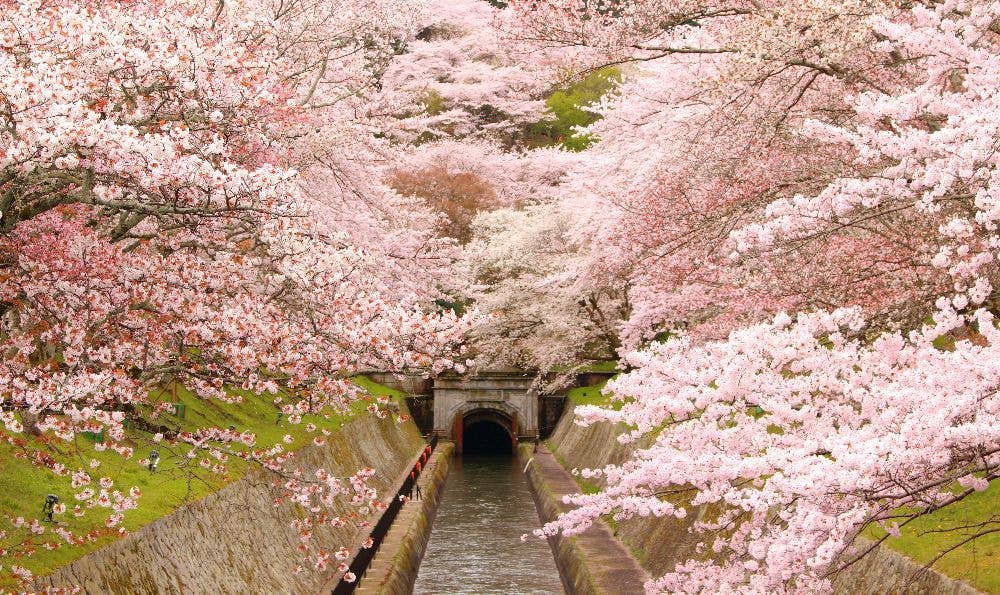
x=486, y=437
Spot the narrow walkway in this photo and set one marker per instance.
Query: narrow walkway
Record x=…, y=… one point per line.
x=381, y=564
x=611, y=566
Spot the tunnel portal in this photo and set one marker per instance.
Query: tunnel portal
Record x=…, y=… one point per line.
x=482, y=411
x=486, y=431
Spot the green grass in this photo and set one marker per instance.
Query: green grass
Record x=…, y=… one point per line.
x=610, y=366
x=589, y=395
x=375, y=389
x=977, y=562
x=605, y=366
x=593, y=395
x=570, y=109
x=433, y=102
x=23, y=485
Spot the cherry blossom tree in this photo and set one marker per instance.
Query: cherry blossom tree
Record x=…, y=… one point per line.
x=187, y=196
x=873, y=190
x=670, y=193
x=462, y=107
x=793, y=436
x=542, y=315
x=786, y=225
x=455, y=79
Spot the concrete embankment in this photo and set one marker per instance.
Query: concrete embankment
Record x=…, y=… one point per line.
x=395, y=566
x=592, y=562
x=236, y=540
x=660, y=543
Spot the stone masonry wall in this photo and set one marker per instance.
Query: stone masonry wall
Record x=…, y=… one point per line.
x=235, y=540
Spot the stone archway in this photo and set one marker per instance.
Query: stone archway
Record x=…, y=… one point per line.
x=501, y=397
x=485, y=416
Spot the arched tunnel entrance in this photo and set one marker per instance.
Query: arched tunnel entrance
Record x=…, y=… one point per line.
x=486, y=437
x=485, y=431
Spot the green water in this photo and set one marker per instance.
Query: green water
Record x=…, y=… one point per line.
x=475, y=545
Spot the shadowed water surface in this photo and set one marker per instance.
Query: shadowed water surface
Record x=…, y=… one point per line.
x=475, y=546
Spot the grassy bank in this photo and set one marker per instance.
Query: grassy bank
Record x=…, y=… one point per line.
x=589, y=395
x=976, y=562
x=23, y=485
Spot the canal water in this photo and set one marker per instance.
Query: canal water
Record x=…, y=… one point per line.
x=475, y=545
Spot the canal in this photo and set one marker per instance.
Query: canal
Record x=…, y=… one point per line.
x=475, y=545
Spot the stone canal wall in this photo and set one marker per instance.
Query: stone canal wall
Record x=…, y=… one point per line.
x=660, y=543
x=236, y=540
x=394, y=568
x=593, y=562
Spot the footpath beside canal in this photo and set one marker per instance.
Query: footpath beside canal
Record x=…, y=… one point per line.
x=594, y=561
x=394, y=567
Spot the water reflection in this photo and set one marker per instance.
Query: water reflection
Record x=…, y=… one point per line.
x=475, y=546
